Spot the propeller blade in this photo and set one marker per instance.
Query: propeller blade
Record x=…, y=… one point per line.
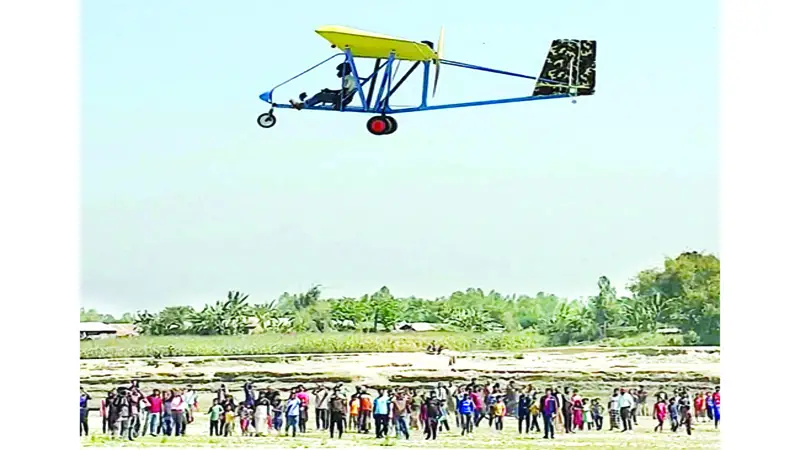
x=439, y=54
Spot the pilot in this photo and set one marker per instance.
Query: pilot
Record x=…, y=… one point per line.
x=331, y=96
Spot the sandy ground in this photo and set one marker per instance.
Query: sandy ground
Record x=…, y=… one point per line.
x=696, y=366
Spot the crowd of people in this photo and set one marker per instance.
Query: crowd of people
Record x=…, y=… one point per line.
x=128, y=413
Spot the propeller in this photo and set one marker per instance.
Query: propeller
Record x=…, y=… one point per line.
x=439, y=53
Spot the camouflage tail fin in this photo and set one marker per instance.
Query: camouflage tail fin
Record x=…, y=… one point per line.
x=568, y=69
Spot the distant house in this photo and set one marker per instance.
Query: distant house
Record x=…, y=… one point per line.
x=97, y=330
x=101, y=330
x=418, y=326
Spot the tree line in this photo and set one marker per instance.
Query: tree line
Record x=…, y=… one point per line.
x=683, y=294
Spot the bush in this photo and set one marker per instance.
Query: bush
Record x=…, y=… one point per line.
x=692, y=338
x=272, y=343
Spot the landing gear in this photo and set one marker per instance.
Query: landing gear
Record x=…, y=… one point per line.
x=267, y=120
x=392, y=124
x=381, y=125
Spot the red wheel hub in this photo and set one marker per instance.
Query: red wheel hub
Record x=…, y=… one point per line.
x=377, y=126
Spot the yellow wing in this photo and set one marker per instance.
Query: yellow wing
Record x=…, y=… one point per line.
x=363, y=44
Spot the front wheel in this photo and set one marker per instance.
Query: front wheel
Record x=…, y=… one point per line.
x=267, y=120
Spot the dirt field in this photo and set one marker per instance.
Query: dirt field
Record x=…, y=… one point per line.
x=703, y=437
x=592, y=370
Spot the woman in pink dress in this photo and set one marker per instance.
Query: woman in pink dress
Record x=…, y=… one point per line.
x=577, y=411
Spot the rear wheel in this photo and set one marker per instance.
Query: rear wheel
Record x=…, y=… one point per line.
x=378, y=125
x=392, y=124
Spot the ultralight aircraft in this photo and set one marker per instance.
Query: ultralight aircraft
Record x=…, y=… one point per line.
x=568, y=72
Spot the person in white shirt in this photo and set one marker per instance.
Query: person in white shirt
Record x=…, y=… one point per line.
x=190, y=397
x=335, y=97
x=625, y=404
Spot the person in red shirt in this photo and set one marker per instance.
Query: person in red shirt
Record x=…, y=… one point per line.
x=302, y=395
x=156, y=408
x=699, y=407
x=479, y=413
x=660, y=413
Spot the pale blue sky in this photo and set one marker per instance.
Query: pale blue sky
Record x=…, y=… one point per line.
x=185, y=197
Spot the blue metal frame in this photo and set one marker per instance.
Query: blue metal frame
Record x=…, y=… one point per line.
x=381, y=102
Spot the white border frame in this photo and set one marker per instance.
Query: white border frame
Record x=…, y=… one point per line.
x=39, y=234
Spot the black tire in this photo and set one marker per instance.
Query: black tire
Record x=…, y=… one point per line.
x=378, y=125
x=267, y=120
x=392, y=125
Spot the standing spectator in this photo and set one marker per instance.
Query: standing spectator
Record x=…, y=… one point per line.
x=635, y=407
x=364, y=412
x=261, y=415
x=302, y=395
x=413, y=409
x=321, y=407
x=577, y=411
x=354, y=408
x=466, y=409
x=613, y=411
x=228, y=420
x=625, y=405
x=105, y=403
x=123, y=414
x=479, y=405
x=548, y=405
x=166, y=421
x=534, y=411
x=190, y=397
x=452, y=400
x=524, y=413
x=588, y=420
x=222, y=394
x=380, y=409
x=293, y=406
x=337, y=410
x=660, y=414
x=277, y=415
x=699, y=407
x=433, y=413
x=685, y=410
x=399, y=413
x=643, y=401
x=715, y=404
x=674, y=414
x=214, y=415
x=84, y=413
x=597, y=414
x=134, y=398
x=178, y=405
x=499, y=413
x=154, y=412
x=566, y=410
x=709, y=403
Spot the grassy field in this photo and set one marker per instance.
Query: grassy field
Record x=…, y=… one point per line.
x=264, y=344
x=643, y=437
